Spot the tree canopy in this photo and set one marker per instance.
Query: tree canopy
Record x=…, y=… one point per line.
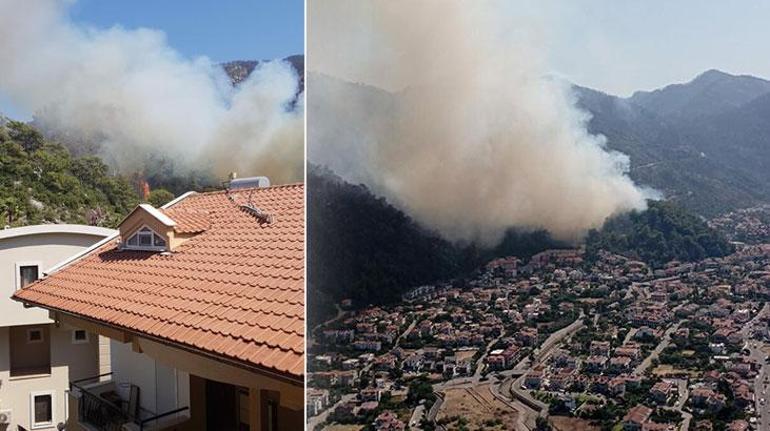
x=661, y=233
x=40, y=182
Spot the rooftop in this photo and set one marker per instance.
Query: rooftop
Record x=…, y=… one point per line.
x=235, y=290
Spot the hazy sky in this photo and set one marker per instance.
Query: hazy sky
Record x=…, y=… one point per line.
x=620, y=46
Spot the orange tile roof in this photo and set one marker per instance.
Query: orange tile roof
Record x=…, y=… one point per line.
x=188, y=221
x=235, y=290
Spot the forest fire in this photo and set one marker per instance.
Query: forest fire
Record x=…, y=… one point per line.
x=141, y=186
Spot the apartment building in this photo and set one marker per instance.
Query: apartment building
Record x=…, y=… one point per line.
x=39, y=357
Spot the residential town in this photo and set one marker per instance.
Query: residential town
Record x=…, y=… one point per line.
x=556, y=342
x=750, y=225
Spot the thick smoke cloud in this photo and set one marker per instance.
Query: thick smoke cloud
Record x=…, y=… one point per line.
x=471, y=136
x=133, y=95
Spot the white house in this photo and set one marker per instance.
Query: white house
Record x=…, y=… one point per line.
x=38, y=359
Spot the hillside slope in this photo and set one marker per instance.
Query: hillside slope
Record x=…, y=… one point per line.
x=658, y=235
x=704, y=144
x=40, y=182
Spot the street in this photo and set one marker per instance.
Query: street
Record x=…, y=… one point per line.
x=762, y=380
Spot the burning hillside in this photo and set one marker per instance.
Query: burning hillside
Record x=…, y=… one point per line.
x=457, y=122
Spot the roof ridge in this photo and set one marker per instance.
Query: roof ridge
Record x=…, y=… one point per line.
x=272, y=186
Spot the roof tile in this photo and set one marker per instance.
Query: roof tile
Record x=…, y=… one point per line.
x=235, y=289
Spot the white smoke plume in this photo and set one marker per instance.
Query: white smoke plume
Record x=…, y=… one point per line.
x=472, y=136
x=133, y=95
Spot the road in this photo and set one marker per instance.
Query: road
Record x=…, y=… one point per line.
x=509, y=391
x=480, y=363
x=529, y=407
x=629, y=335
x=417, y=414
x=762, y=381
x=683, y=393
x=552, y=341
x=526, y=418
x=664, y=342
x=557, y=337
x=433, y=412
x=321, y=418
x=338, y=316
x=405, y=333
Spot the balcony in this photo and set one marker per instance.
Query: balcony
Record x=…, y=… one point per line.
x=100, y=404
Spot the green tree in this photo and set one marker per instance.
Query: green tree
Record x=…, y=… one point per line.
x=160, y=197
x=41, y=182
x=420, y=389
x=25, y=135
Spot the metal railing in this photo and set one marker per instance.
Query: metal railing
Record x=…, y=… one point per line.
x=97, y=411
x=105, y=415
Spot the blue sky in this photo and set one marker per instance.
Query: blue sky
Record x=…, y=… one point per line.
x=221, y=30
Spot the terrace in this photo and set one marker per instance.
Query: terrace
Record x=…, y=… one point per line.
x=100, y=403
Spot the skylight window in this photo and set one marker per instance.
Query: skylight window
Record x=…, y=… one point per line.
x=146, y=239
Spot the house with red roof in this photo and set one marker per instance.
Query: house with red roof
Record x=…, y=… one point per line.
x=203, y=303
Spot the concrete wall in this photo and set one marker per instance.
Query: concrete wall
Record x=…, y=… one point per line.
x=68, y=362
x=46, y=250
x=46, y=246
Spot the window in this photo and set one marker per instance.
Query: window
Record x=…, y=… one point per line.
x=34, y=335
x=146, y=238
x=270, y=403
x=159, y=242
x=272, y=415
x=243, y=410
x=79, y=336
x=41, y=410
x=26, y=274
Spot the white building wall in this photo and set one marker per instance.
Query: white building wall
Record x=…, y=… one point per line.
x=162, y=388
x=45, y=250
x=46, y=246
x=15, y=392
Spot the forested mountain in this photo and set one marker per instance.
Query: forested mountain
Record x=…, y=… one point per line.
x=40, y=182
x=704, y=144
x=711, y=93
x=239, y=70
x=662, y=233
x=364, y=249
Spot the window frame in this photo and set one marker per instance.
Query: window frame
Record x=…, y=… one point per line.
x=41, y=425
x=270, y=405
x=153, y=234
x=42, y=335
x=83, y=341
x=19, y=265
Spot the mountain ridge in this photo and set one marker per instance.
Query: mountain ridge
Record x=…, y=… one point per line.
x=704, y=151
x=711, y=92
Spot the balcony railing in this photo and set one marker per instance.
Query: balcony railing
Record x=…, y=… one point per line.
x=101, y=407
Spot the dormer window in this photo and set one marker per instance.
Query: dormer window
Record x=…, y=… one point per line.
x=151, y=229
x=146, y=239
